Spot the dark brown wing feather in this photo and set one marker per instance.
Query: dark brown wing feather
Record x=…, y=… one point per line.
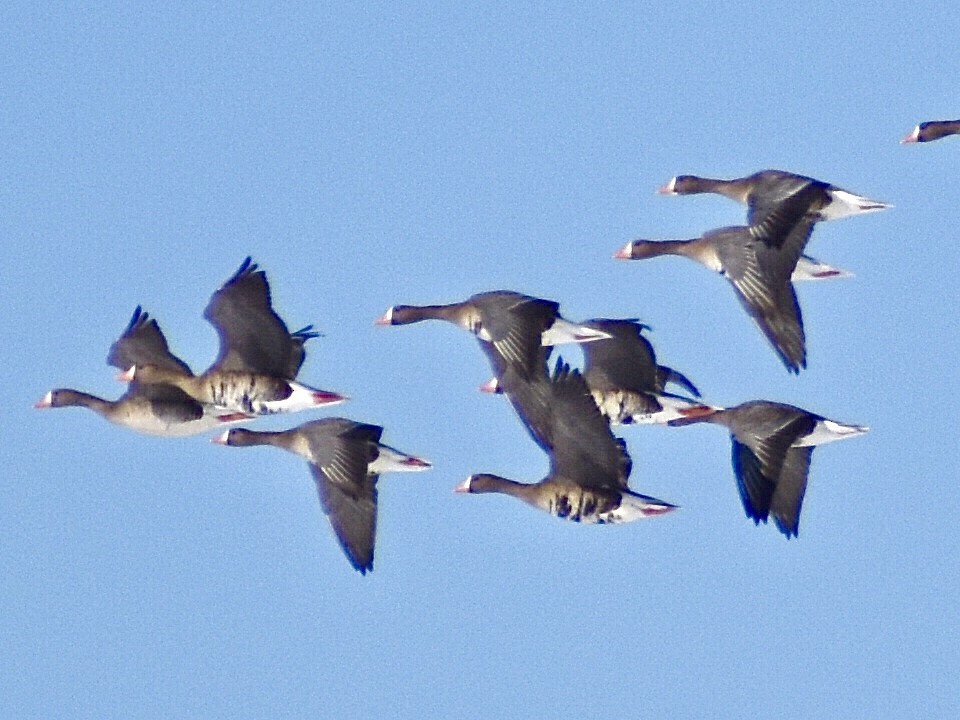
x=516, y=323
x=759, y=262
x=143, y=343
x=755, y=488
x=342, y=451
x=773, y=187
x=352, y=509
x=167, y=402
x=781, y=322
x=625, y=361
x=527, y=392
x=791, y=487
x=584, y=449
x=669, y=375
x=760, y=465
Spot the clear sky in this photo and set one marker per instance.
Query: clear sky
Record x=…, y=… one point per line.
x=367, y=154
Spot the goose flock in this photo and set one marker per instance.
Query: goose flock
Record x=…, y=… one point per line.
x=254, y=374
x=567, y=411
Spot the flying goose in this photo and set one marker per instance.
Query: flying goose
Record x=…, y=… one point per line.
x=772, y=446
x=764, y=190
x=627, y=383
x=155, y=409
x=518, y=326
x=589, y=467
x=346, y=459
x=623, y=376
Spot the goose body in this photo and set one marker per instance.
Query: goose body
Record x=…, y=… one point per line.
x=164, y=414
x=571, y=501
x=772, y=447
x=237, y=391
x=346, y=459
x=625, y=382
x=764, y=190
x=632, y=407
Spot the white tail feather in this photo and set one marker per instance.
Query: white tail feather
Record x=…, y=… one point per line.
x=563, y=331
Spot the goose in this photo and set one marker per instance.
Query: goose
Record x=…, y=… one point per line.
x=772, y=446
x=255, y=369
x=346, y=459
x=758, y=260
x=932, y=130
x=589, y=467
x=764, y=190
x=516, y=325
x=625, y=380
x=154, y=409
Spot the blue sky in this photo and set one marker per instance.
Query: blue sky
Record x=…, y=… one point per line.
x=367, y=156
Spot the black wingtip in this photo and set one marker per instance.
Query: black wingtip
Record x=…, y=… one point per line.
x=560, y=367
x=139, y=317
x=788, y=531
x=793, y=367
x=306, y=333
x=363, y=569
x=247, y=267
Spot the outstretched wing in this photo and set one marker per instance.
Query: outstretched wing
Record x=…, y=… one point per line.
x=253, y=338
x=584, y=449
x=342, y=451
x=515, y=324
x=771, y=477
x=143, y=343
x=624, y=361
x=776, y=312
x=760, y=274
x=788, y=497
x=773, y=187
